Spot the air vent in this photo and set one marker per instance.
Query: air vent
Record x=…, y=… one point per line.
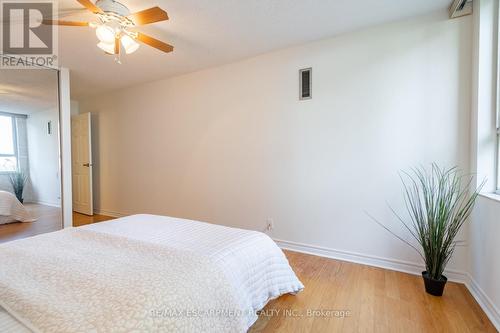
x=305, y=76
x=460, y=8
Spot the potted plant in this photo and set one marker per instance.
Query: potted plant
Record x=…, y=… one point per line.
x=18, y=180
x=439, y=202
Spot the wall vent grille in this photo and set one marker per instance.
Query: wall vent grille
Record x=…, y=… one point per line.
x=305, y=77
x=460, y=8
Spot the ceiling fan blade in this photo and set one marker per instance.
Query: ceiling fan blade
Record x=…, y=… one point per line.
x=151, y=15
x=158, y=44
x=117, y=45
x=69, y=12
x=68, y=23
x=90, y=6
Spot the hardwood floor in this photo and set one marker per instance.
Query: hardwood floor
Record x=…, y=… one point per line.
x=81, y=219
x=48, y=219
x=346, y=297
x=378, y=300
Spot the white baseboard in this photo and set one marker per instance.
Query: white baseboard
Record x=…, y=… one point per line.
x=392, y=264
x=108, y=213
x=45, y=203
x=485, y=302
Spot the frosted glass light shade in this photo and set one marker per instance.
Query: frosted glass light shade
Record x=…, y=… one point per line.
x=129, y=44
x=105, y=34
x=107, y=47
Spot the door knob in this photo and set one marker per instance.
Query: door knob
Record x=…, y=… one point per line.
x=87, y=165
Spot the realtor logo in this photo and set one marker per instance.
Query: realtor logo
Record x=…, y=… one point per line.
x=24, y=37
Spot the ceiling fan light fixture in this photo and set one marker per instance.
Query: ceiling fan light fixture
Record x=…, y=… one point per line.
x=107, y=47
x=113, y=23
x=105, y=33
x=129, y=44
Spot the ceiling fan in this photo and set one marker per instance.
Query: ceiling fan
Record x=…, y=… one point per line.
x=114, y=26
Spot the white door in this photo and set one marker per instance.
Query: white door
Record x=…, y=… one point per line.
x=81, y=154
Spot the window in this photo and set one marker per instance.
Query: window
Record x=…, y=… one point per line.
x=498, y=150
x=8, y=144
x=497, y=14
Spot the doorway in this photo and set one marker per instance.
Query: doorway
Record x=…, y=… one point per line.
x=81, y=154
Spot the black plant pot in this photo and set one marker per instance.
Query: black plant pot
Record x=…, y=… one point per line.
x=434, y=287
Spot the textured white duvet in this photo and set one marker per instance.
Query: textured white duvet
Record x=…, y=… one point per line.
x=245, y=267
x=11, y=210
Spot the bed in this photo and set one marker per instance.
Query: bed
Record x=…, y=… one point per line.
x=141, y=273
x=11, y=210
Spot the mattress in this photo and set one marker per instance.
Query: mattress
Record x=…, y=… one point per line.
x=256, y=268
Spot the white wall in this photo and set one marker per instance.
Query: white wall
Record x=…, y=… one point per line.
x=484, y=231
x=5, y=184
x=233, y=145
x=43, y=149
x=74, y=107
x=485, y=254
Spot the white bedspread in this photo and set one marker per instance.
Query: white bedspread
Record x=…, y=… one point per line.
x=253, y=269
x=11, y=210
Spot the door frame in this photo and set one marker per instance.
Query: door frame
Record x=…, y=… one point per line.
x=65, y=147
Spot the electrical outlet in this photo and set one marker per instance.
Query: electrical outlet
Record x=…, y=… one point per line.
x=270, y=224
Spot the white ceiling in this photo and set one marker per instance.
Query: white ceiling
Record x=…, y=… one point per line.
x=28, y=90
x=207, y=33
